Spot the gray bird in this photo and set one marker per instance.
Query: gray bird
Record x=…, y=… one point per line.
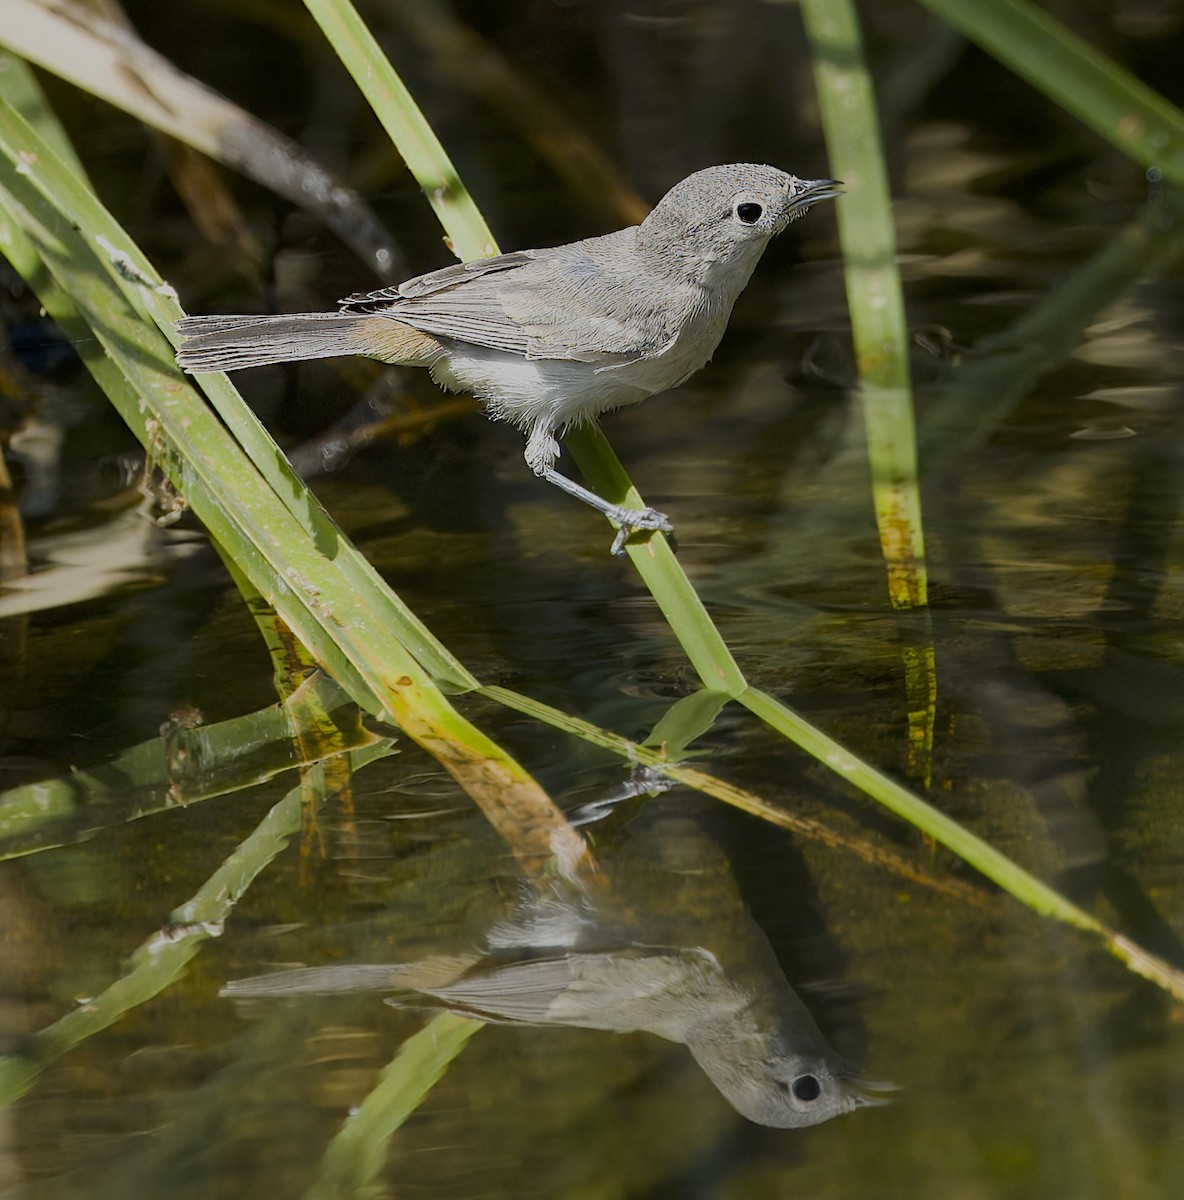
x=669, y=948
x=550, y=339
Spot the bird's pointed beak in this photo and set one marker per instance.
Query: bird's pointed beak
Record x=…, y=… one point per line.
x=813, y=190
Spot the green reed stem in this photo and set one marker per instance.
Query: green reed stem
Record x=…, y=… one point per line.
x=874, y=295
x=358, y=1153
x=163, y=957
x=405, y=123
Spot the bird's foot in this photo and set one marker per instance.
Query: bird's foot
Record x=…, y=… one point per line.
x=636, y=520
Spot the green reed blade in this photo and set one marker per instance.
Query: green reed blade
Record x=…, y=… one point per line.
x=874, y=295
x=1066, y=68
x=161, y=959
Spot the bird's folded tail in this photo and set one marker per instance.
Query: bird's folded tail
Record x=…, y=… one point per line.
x=232, y=343
x=435, y=971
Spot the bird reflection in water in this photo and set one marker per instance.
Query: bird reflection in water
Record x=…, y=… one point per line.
x=667, y=947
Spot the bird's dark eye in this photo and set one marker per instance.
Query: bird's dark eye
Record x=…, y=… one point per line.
x=806, y=1088
x=749, y=213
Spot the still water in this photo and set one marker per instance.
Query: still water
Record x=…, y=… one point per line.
x=1043, y=290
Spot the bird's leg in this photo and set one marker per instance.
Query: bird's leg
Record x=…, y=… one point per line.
x=542, y=450
x=628, y=520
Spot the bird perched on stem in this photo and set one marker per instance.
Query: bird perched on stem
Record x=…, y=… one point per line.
x=550, y=339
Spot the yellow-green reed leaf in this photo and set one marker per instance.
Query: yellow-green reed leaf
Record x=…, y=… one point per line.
x=162, y=958
x=408, y=130
x=1082, y=80
x=867, y=232
x=347, y=629
x=180, y=423
x=659, y=569
x=993, y=864
x=184, y=766
x=685, y=721
x=154, y=300
x=358, y=1153
x=19, y=86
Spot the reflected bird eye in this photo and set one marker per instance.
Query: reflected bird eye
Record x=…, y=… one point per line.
x=806, y=1088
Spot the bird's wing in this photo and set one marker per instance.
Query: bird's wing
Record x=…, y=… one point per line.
x=520, y=993
x=566, y=303
x=597, y=991
x=445, y=280
x=460, y=302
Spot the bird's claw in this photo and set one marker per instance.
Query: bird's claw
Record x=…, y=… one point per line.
x=634, y=520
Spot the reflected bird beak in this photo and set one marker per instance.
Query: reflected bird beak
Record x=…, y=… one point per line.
x=874, y=1093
